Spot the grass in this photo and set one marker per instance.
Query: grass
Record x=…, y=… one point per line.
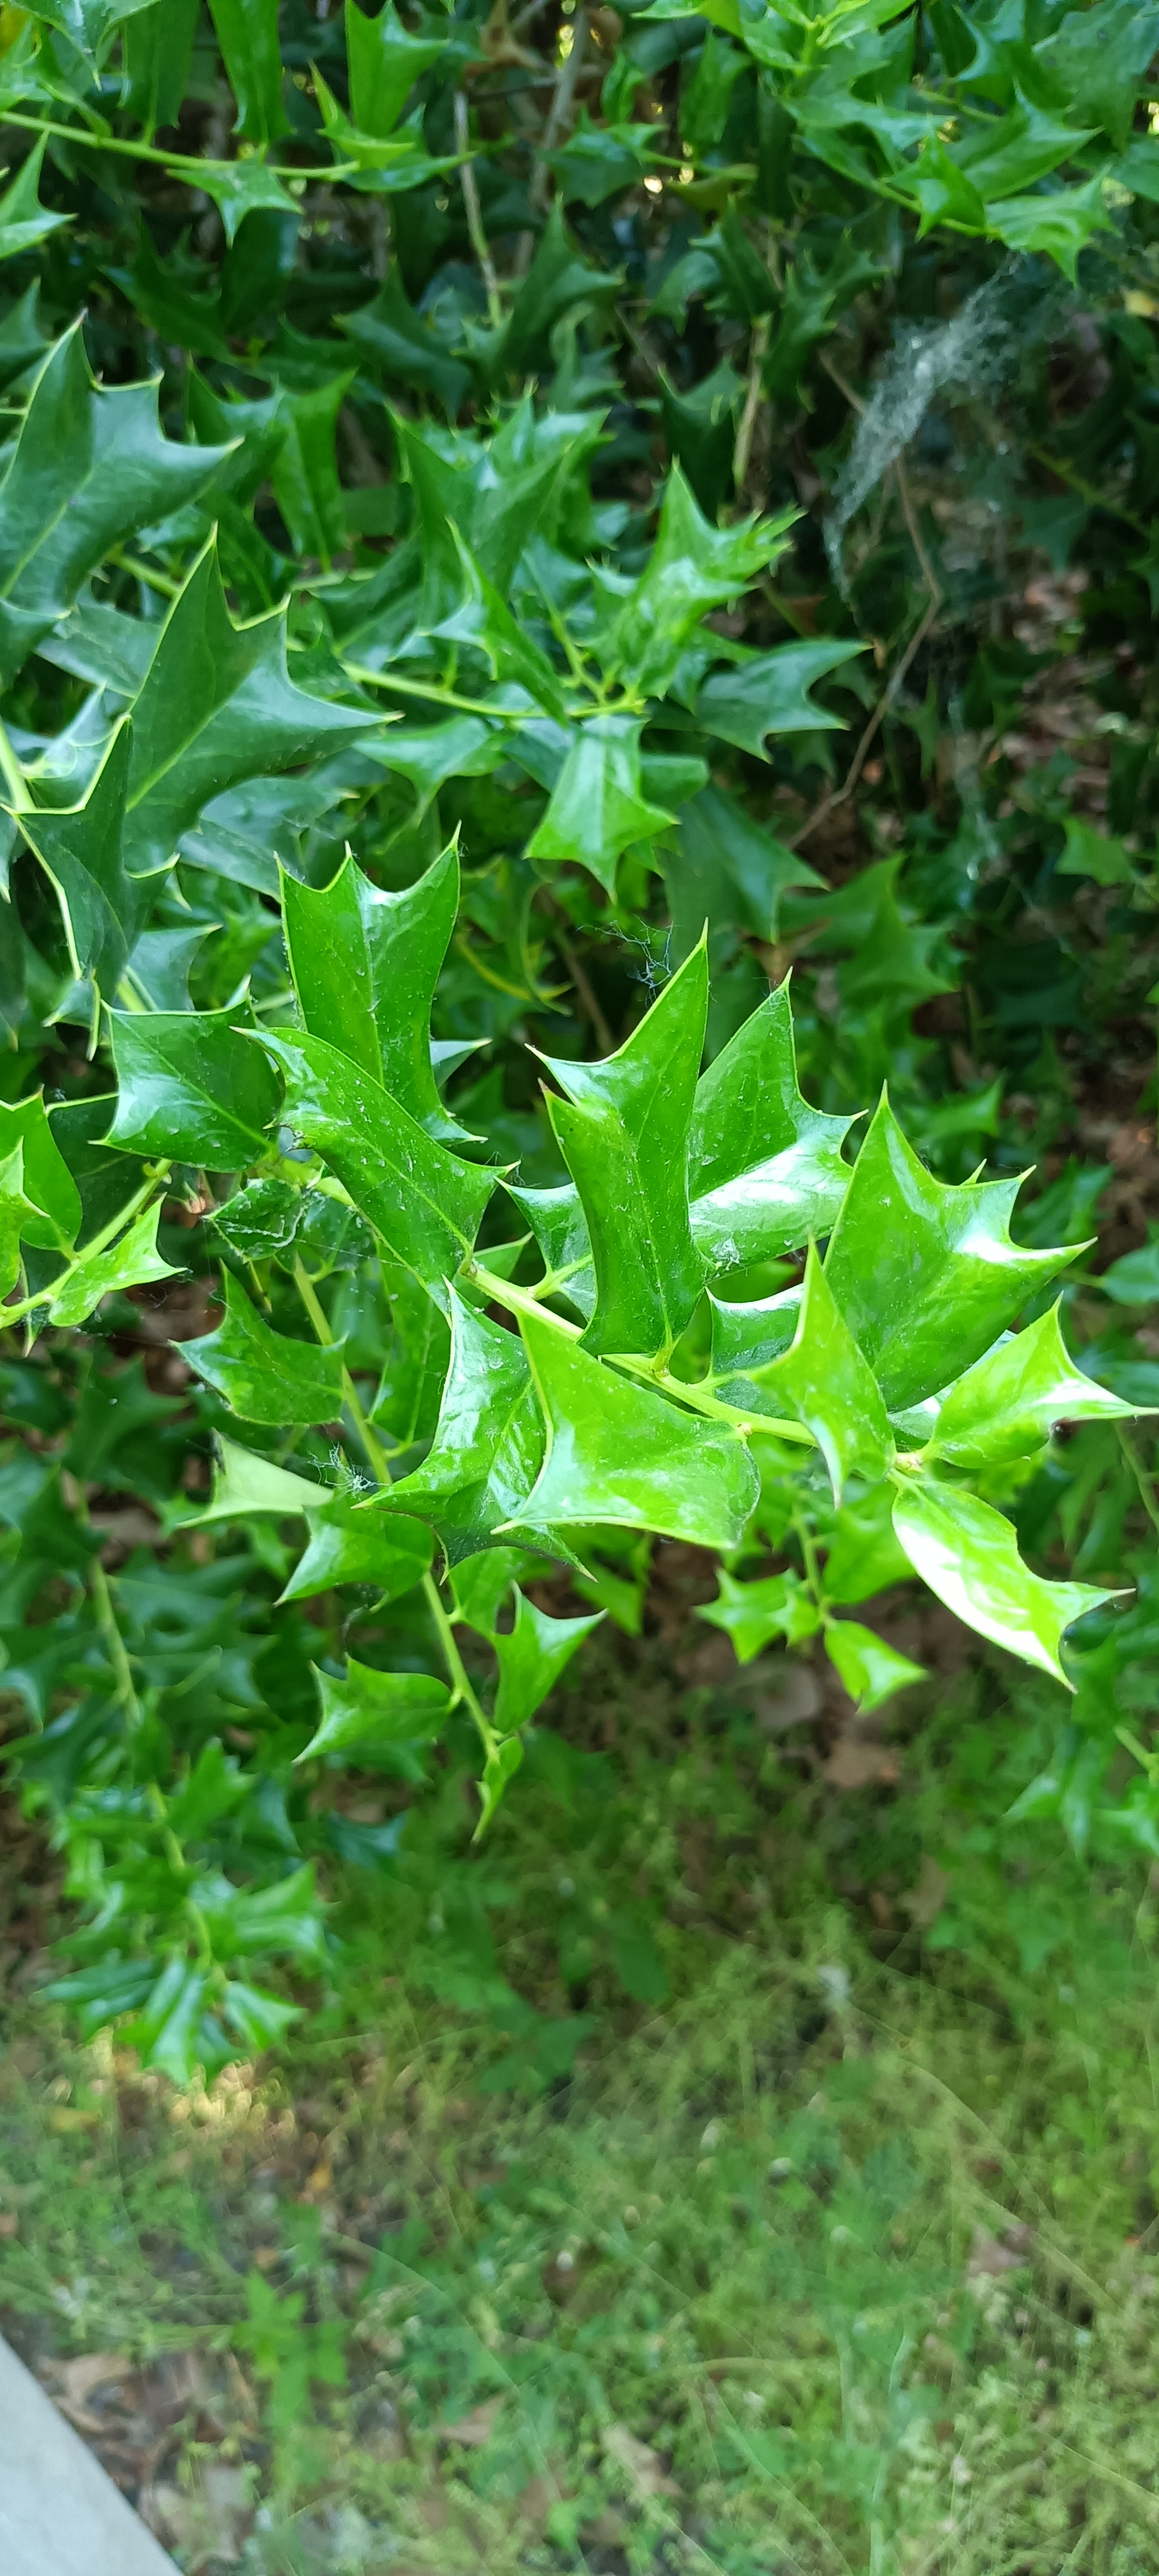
x=653, y=2193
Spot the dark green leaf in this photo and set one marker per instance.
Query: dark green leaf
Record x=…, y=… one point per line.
x=385, y=61
x=692, y=567
x=247, y=32
x=349, y=1544
x=598, y=807
x=770, y=694
x=365, y=964
x=822, y=1381
x=53, y=1198
x=488, y=1442
x=263, y=1376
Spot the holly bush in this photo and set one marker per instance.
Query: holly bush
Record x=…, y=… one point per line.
x=464, y=473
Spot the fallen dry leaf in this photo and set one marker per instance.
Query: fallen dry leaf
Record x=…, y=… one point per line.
x=641, y=2466
x=853, y=1764
x=926, y=1897
x=989, y=2259
x=474, y=2429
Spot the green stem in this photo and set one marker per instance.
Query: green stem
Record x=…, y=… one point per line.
x=375, y=1453
x=158, y=581
x=519, y=1301
x=460, y=1682
x=179, y=163
x=433, y=692
x=44, y=1296
x=126, y=1695
x=813, y=1575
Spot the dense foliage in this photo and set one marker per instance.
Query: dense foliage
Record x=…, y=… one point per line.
x=564, y=426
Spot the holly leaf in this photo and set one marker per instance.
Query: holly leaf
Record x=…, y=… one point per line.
x=558, y=279
x=50, y=1194
x=81, y=849
x=502, y=1763
x=365, y=964
x=217, y=705
x=865, y=1554
x=131, y=1263
x=1010, y=1401
x=968, y=1555
x=770, y=694
x=622, y=1453
x=167, y=2032
x=488, y=1441
x=88, y=24
x=89, y=466
x=752, y=1614
x=692, y=567
x=423, y=1202
x=943, y=192
x=247, y=32
x=823, y=1382
x=384, y=61
x=723, y=868
x=259, y=2020
x=243, y=188
x=23, y=220
x=925, y=1273
x=399, y=344
x=765, y=1170
x=531, y=1656
x=349, y=1544
x=245, y=1485
x=1058, y=224
x=373, y=1712
x=558, y=1223
x=870, y=1670
x=263, y=1375
x=17, y=1214
x=623, y=1130
x=598, y=807
x=191, y=1088
x=304, y=473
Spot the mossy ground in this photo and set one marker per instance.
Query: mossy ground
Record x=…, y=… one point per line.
x=723, y=2173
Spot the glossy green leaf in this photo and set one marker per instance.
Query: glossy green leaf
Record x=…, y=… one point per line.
x=623, y=1130
x=243, y=188
x=752, y=1614
x=23, y=220
x=692, y=567
x=531, y=1656
x=770, y=694
x=131, y=1263
x=724, y=868
x=824, y=1382
x=926, y=1274
x=156, y=55
x=263, y=1375
x=89, y=466
x=365, y=964
x=414, y=1366
x=503, y=1761
x=968, y=1554
x=619, y=1452
x=245, y=1483
x=1057, y=226
x=349, y=1544
x=304, y=474
x=372, y=1712
x=598, y=807
x=81, y=850
x=425, y=1205
x=384, y=62
x=395, y=341
x=1010, y=1401
x=247, y=32
x=865, y=1554
x=52, y=1196
x=17, y=1215
x=217, y=705
x=558, y=1223
x=488, y=1441
x=480, y=1584
x=88, y=24
x=192, y=1087
x=870, y=1670
x=765, y=1170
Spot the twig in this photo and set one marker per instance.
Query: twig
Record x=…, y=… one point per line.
x=748, y=419
x=559, y=115
x=474, y=212
x=838, y=795
x=586, y=994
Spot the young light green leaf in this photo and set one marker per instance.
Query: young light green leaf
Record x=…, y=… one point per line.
x=598, y=807
x=824, y=1382
x=752, y=1614
x=692, y=567
x=89, y=466
x=247, y=32
x=191, y=1087
x=1009, y=1402
x=870, y=1670
x=865, y=1554
x=131, y=1263
x=968, y=1554
x=17, y=1214
x=531, y=1655
x=52, y=1196
x=373, y=1712
x=623, y=1130
x=217, y=705
x=488, y=1441
x=770, y=694
x=245, y=1484
x=620, y=1452
x=365, y=964
x=348, y=1544
x=765, y=1170
x=264, y=1376
x=424, y=1203
x=925, y=1273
